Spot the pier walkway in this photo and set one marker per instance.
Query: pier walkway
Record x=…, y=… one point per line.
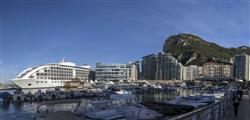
x=243, y=111
x=221, y=110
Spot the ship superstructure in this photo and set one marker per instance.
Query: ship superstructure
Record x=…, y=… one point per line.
x=52, y=75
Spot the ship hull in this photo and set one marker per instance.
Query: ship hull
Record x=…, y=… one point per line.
x=34, y=83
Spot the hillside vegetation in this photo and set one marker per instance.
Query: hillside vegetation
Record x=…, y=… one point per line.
x=190, y=49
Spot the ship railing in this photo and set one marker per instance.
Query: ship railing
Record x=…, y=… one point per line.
x=215, y=111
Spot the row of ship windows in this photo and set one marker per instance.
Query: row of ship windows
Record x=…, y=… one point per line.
x=82, y=76
x=52, y=74
x=57, y=76
x=58, y=68
x=61, y=78
x=60, y=71
x=82, y=73
x=65, y=69
x=41, y=81
x=51, y=82
x=115, y=73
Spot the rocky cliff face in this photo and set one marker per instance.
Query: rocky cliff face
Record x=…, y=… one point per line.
x=190, y=49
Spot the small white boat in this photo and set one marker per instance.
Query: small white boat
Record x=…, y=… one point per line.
x=100, y=110
x=120, y=107
x=117, y=91
x=130, y=105
x=58, y=110
x=218, y=95
x=95, y=90
x=190, y=101
x=39, y=95
x=18, y=95
x=48, y=95
x=5, y=97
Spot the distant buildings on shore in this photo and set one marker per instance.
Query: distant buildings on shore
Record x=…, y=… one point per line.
x=191, y=72
x=128, y=71
x=161, y=66
x=148, y=66
x=165, y=67
x=217, y=71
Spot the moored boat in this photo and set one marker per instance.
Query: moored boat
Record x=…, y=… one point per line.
x=120, y=107
x=18, y=96
x=59, y=109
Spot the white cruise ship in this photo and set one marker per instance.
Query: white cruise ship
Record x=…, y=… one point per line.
x=52, y=75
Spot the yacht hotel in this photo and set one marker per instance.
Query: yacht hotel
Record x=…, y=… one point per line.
x=52, y=75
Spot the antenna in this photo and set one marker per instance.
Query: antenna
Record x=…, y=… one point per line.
x=1, y=56
x=63, y=60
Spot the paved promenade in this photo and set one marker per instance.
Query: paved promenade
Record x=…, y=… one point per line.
x=243, y=112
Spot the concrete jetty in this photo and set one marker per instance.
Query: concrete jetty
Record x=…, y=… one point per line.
x=243, y=111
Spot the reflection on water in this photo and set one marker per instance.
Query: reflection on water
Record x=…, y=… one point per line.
x=160, y=96
x=25, y=111
x=11, y=111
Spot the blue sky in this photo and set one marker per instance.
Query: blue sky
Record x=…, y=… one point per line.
x=90, y=31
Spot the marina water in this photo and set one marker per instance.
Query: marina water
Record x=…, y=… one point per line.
x=25, y=111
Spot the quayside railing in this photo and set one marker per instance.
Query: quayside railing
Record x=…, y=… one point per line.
x=215, y=111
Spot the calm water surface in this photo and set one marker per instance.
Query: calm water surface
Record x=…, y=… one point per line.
x=26, y=110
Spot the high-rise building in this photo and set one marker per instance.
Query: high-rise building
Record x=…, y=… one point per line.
x=190, y=72
x=135, y=70
x=242, y=66
x=168, y=68
x=116, y=71
x=217, y=70
x=161, y=67
x=149, y=67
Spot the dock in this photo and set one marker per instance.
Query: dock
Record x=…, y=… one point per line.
x=222, y=110
x=243, y=111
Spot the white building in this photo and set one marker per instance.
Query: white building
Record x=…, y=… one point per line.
x=52, y=75
x=190, y=72
x=116, y=71
x=217, y=70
